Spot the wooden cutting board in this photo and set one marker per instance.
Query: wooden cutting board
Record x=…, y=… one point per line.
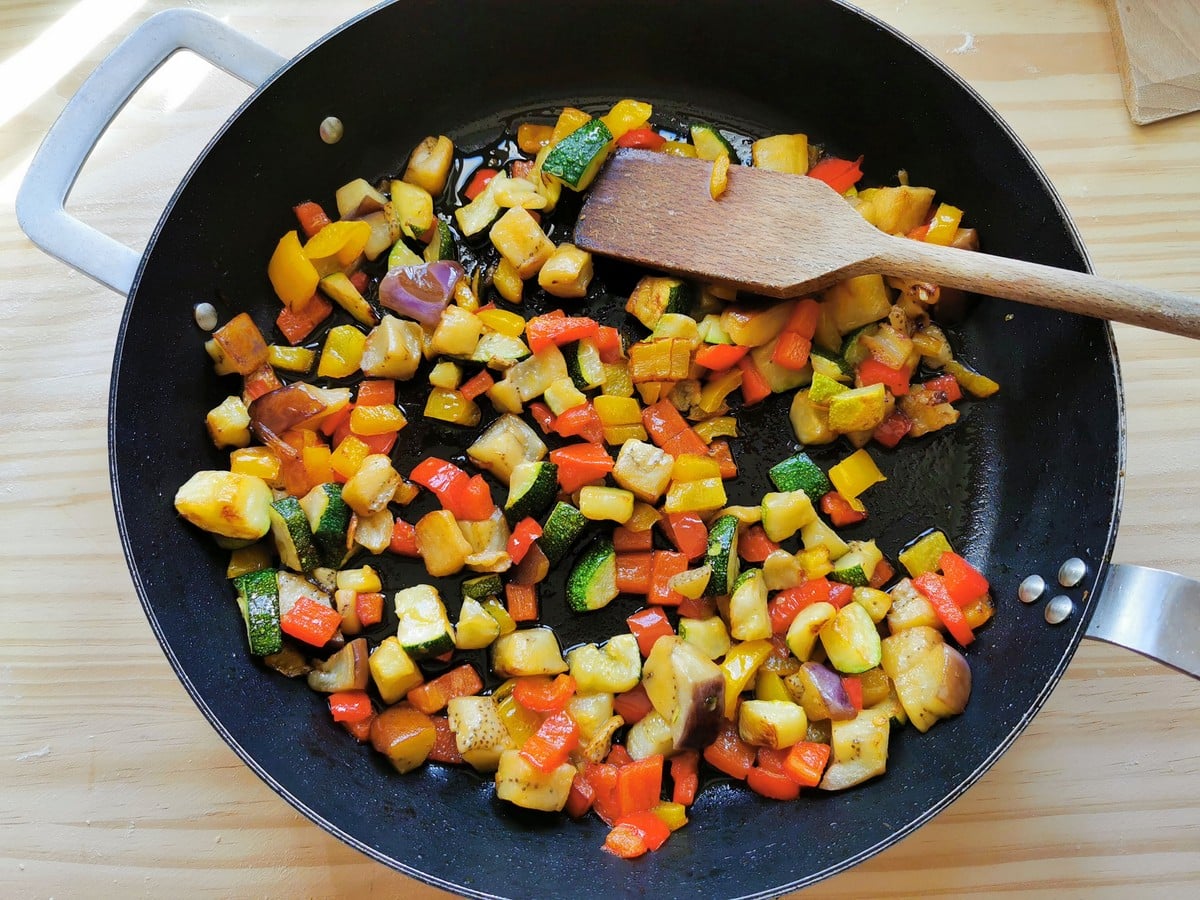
x=1158, y=56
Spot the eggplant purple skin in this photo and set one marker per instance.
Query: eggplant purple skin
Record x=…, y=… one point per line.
x=703, y=715
x=831, y=690
x=420, y=292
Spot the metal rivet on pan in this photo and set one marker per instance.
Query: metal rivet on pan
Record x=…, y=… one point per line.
x=332, y=130
x=1071, y=572
x=1031, y=589
x=1059, y=609
x=206, y=315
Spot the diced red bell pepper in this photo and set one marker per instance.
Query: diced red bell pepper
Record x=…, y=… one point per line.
x=668, y=429
x=872, y=371
x=634, y=571
x=687, y=532
x=521, y=602
x=633, y=705
x=700, y=608
x=934, y=588
x=522, y=538
x=311, y=622
x=805, y=318
x=379, y=443
x=554, y=331
x=644, y=138
x=806, y=761
x=787, y=604
x=729, y=753
x=445, y=744
x=948, y=385
x=361, y=731
x=919, y=233
x=543, y=415
x=771, y=760
x=548, y=747
x=608, y=342
x=297, y=324
x=478, y=384
x=376, y=392
x=478, y=182
x=839, y=174
x=663, y=566
x=654, y=830
x=618, y=756
x=368, y=608
x=648, y=625
x=260, y=382
x=883, y=573
x=892, y=429
x=580, y=464
x=639, y=784
x=333, y=422
x=580, y=421
x=542, y=694
x=840, y=594
x=603, y=779
x=772, y=785
x=626, y=842
x=754, y=546
x=685, y=773
x=470, y=501
x=754, y=386
x=580, y=798
x=626, y=540
x=360, y=280
x=350, y=706
x=852, y=684
x=719, y=452
x=311, y=216
x=440, y=477
x=404, y=539
x=521, y=168
x=839, y=510
x=963, y=581
x=432, y=696
x=792, y=351
x=720, y=357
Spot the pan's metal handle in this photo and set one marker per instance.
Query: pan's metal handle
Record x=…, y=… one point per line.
x=1153, y=612
x=52, y=174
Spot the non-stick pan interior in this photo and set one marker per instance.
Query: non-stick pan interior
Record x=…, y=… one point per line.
x=1026, y=480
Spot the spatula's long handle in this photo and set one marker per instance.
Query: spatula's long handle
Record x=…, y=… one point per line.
x=1026, y=282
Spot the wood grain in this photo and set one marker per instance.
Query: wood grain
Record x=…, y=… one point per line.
x=115, y=786
x=1158, y=56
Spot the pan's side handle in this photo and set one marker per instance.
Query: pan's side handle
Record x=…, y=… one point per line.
x=56, y=165
x=1153, y=612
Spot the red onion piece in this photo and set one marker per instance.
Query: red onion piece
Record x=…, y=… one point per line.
x=283, y=409
x=420, y=292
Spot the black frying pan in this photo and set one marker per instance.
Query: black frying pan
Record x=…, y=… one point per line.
x=1025, y=481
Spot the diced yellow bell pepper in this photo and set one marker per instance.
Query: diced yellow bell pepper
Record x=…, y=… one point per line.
x=349, y=456
x=978, y=612
x=719, y=179
x=673, y=815
x=451, y=406
x=972, y=382
x=292, y=274
x=617, y=382
x=781, y=153
x=501, y=320
x=704, y=495
x=666, y=359
x=678, y=148
x=372, y=420
x=446, y=374
x=739, y=667
x=318, y=464
x=394, y=672
x=925, y=555
x=531, y=138
x=769, y=686
x=260, y=462
x=291, y=359
x=606, y=503
x=644, y=517
x=466, y=296
x=855, y=474
x=508, y=284
x=342, y=353
x=567, y=273
x=719, y=426
x=250, y=559
x=815, y=562
x=715, y=391
x=518, y=721
x=618, y=410
x=689, y=467
x=944, y=225
x=337, y=245
x=627, y=115
x=619, y=434
x=363, y=580
x=569, y=121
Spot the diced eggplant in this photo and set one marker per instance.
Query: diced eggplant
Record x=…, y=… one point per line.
x=860, y=747
x=648, y=736
x=522, y=785
x=479, y=733
x=932, y=679
x=346, y=670
x=687, y=689
x=820, y=692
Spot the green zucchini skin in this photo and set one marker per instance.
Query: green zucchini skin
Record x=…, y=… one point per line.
x=592, y=583
x=800, y=473
x=258, y=599
x=721, y=556
x=560, y=532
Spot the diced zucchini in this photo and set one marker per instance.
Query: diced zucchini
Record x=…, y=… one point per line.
x=562, y=395
x=479, y=589
x=529, y=651
x=592, y=584
x=477, y=215
x=779, y=378
x=393, y=670
x=616, y=667
x=874, y=601
x=505, y=444
x=654, y=296
x=748, y=616
x=691, y=583
x=479, y=733
x=424, y=628
x=818, y=534
x=533, y=375
x=857, y=565
x=402, y=255
x=800, y=473
x=721, y=556
x=577, y=158
x=258, y=599
x=499, y=351
x=772, y=723
x=532, y=487
x=584, y=365
x=782, y=570
x=825, y=389
x=328, y=518
x=412, y=207
x=442, y=246
x=293, y=536
x=475, y=629
x=802, y=633
x=338, y=287
x=783, y=514
x=710, y=143
x=810, y=421
x=560, y=532
x=851, y=640
x=831, y=365
x=709, y=635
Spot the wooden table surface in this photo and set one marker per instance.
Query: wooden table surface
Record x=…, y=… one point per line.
x=113, y=784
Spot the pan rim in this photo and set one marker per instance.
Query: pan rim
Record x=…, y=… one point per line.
x=1080, y=623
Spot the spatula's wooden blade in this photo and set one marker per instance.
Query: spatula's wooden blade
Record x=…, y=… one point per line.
x=769, y=233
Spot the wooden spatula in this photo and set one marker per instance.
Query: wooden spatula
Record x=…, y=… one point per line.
x=786, y=235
